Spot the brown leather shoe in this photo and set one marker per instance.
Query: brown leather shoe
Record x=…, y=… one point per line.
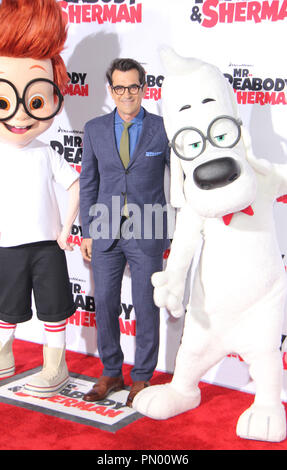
x=103, y=387
x=136, y=387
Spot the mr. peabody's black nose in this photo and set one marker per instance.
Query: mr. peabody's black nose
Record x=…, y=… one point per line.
x=216, y=173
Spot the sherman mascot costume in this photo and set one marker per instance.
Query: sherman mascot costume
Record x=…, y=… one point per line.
x=225, y=198
x=32, y=238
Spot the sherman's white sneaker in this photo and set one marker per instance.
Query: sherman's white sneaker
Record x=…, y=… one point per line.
x=7, y=363
x=53, y=377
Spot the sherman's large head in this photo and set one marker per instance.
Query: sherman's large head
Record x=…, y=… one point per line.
x=32, y=72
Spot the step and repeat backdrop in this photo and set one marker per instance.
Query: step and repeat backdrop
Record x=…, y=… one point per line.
x=245, y=40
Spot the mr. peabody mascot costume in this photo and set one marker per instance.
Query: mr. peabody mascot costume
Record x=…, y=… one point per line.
x=225, y=198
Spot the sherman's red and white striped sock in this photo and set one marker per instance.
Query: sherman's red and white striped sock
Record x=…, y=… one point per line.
x=55, y=334
x=7, y=332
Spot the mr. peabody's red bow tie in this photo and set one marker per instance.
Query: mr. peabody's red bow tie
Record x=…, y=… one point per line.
x=249, y=211
x=227, y=218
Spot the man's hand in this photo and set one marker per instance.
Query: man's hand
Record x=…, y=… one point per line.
x=86, y=249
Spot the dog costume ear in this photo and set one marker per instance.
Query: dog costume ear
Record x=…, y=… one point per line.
x=260, y=165
x=233, y=101
x=175, y=64
x=172, y=64
x=177, y=198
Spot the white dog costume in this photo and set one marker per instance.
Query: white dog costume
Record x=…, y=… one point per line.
x=226, y=198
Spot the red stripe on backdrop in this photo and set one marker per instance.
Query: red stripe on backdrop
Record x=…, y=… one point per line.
x=211, y=426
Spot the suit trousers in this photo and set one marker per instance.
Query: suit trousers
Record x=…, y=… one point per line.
x=108, y=269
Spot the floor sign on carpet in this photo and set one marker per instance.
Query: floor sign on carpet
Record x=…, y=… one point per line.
x=110, y=414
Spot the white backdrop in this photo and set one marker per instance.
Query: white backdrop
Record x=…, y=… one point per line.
x=245, y=40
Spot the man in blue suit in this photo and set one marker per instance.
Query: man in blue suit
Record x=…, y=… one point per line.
x=124, y=220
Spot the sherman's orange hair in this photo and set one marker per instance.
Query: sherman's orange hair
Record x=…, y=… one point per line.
x=36, y=29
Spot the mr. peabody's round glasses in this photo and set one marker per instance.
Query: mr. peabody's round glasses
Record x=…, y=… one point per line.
x=41, y=99
x=132, y=89
x=223, y=132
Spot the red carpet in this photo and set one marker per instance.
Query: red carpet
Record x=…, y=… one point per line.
x=209, y=427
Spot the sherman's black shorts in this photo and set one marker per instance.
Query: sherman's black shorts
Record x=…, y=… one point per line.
x=40, y=268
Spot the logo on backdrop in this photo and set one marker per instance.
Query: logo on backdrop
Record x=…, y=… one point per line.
x=76, y=236
x=70, y=144
x=77, y=85
x=102, y=11
x=251, y=89
x=208, y=13
x=154, y=84
x=85, y=313
x=85, y=305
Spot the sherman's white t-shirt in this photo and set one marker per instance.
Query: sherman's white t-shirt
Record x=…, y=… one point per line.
x=29, y=210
